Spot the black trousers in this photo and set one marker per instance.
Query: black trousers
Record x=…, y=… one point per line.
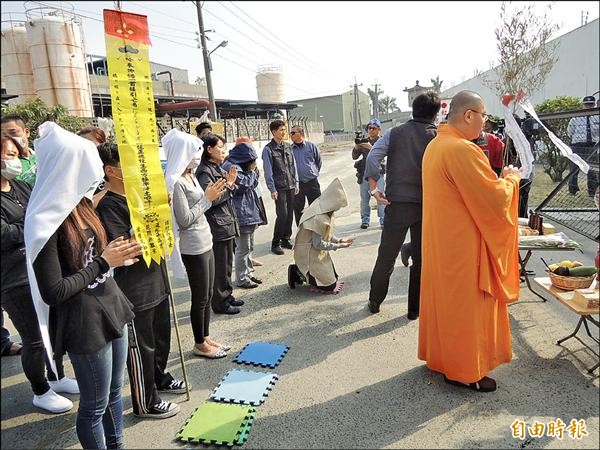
x=399, y=218
x=284, y=209
x=18, y=304
x=311, y=190
x=524, y=188
x=201, y=275
x=222, y=287
x=584, y=151
x=147, y=356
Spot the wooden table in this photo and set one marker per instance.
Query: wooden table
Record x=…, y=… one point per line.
x=585, y=314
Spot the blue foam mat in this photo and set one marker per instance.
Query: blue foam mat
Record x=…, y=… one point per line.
x=264, y=354
x=245, y=387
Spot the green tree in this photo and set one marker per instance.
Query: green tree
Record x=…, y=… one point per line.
x=388, y=104
x=375, y=100
x=35, y=112
x=553, y=162
x=436, y=84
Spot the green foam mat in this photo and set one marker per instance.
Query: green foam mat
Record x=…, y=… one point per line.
x=245, y=431
x=218, y=423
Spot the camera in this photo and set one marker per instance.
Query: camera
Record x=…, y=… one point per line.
x=360, y=138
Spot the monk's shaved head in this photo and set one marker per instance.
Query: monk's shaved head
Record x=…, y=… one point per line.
x=463, y=101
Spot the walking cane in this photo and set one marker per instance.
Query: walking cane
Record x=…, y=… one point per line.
x=172, y=301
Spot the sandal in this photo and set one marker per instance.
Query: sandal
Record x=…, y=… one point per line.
x=12, y=349
x=219, y=354
x=486, y=384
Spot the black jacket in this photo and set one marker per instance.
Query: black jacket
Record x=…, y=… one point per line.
x=144, y=286
x=404, y=160
x=13, y=205
x=88, y=308
x=221, y=216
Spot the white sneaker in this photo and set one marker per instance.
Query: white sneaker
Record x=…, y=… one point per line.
x=52, y=402
x=65, y=385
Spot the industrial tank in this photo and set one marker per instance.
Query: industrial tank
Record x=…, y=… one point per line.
x=270, y=84
x=16, y=63
x=58, y=63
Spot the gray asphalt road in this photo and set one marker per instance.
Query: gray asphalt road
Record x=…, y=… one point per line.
x=351, y=379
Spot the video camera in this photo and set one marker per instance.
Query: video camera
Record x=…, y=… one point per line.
x=360, y=138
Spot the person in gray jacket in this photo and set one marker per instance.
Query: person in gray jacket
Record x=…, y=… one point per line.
x=404, y=147
x=190, y=203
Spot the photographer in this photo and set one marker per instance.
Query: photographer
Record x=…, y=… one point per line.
x=361, y=149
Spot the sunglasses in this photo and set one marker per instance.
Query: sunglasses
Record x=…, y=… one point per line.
x=294, y=132
x=372, y=128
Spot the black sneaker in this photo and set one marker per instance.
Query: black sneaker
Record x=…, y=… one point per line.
x=235, y=302
x=373, y=307
x=248, y=284
x=277, y=250
x=412, y=315
x=174, y=387
x=255, y=279
x=287, y=244
x=364, y=226
x=160, y=410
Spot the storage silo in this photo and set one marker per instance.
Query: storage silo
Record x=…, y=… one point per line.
x=16, y=63
x=58, y=63
x=270, y=84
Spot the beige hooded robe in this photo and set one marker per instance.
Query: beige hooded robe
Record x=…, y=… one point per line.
x=316, y=218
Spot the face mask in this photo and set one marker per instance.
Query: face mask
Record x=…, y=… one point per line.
x=194, y=163
x=13, y=168
x=21, y=140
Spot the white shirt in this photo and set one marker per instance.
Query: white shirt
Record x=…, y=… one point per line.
x=577, y=129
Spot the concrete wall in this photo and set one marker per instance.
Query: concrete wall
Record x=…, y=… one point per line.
x=576, y=73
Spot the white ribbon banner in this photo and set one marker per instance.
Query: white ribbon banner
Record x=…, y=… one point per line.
x=564, y=148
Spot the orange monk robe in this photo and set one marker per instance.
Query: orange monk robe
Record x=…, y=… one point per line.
x=470, y=259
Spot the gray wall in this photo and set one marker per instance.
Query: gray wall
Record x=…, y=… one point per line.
x=576, y=73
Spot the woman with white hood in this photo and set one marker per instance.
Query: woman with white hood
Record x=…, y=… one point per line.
x=69, y=264
x=190, y=203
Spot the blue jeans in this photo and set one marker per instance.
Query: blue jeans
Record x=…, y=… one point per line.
x=365, y=209
x=100, y=379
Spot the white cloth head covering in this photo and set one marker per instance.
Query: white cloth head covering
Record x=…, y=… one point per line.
x=68, y=167
x=332, y=198
x=180, y=148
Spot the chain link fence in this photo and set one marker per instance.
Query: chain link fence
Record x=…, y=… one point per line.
x=574, y=200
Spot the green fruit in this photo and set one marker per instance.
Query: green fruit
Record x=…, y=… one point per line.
x=582, y=271
x=562, y=270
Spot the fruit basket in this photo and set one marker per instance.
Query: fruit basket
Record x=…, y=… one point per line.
x=571, y=283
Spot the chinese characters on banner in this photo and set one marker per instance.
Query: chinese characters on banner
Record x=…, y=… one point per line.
x=127, y=43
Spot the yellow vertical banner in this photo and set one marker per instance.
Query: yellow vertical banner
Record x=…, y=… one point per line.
x=127, y=43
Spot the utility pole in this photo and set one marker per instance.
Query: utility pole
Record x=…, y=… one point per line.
x=355, y=106
x=207, y=67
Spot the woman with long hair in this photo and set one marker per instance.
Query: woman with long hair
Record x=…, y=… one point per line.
x=223, y=222
x=69, y=262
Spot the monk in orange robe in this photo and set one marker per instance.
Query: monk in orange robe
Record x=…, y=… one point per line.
x=470, y=252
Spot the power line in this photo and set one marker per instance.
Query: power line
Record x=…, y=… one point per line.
x=292, y=62
x=259, y=31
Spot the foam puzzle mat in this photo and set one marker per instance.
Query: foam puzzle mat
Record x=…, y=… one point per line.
x=264, y=354
x=218, y=423
x=244, y=386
